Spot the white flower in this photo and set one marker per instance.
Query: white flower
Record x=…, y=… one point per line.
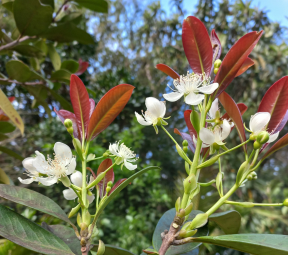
x=62, y=165
x=258, y=123
x=124, y=154
x=76, y=179
x=155, y=110
x=213, y=112
x=189, y=86
x=217, y=136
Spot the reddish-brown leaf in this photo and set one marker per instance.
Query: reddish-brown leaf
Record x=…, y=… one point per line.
x=82, y=67
x=282, y=142
x=116, y=185
x=108, y=177
x=247, y=63
x=234, y=113
x=80, y=102
x=108, y=108
x=216, y=45
x=235, y=59
x=242, y=108
x=191, y=129
x=168, y=70
x=186, y=137
x=197, y=45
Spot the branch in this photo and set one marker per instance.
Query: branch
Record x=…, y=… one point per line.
x=23, y=83
x=16, y=42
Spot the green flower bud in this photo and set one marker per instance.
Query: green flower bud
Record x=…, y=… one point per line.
x=186, y=233
x=208, y=162
x=199, y=221
x=241, y=174
x=110, y=183
x=108, y=188
x=252, y=176
x=101, y=248
x=195, y=120
x=185, y=143
x=181, y=153
x=190, y=184
x=186, y=226
x=66, y=181
x=185, y=149
x=181, y=213
x=106, y=154
x=217, y=63
x=263, y=137
x=257, y=145
x=68, y=123
x=90, y=157
x=178, y=204
x=74, y=211
x=79, y=219
x=252, y=137
x=216, y=70
x=285, y=202
x=188, y=209
x=78, y=147
x=87, y=218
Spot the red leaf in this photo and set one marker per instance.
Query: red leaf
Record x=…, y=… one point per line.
x=108, y=177
x=282, y=142
x=242, y=108
x=235, y=59
x=197, y=45
x=168, y=70
x=80, y=102
x=216, y=45
x=275, y=102
x=92, y=106
x=191, y=129
x=247, y=63
x=234, y=113
x=63, y=115
x=82, y=67
x=186, y=137
x=108, y=108
x=116, y=185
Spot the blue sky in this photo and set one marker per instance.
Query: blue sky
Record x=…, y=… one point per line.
x=277, y=8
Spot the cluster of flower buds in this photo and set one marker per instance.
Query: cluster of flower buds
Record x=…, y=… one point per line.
x=217, y=65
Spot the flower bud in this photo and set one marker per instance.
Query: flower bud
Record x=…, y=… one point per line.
x=66, y=181
x=181, y=213
x=186, y=225
x=195, y=120
x=285, y=202
x=241, y=174
x=74, y=211
x=190, y=184
x=90, y=157
x=199, y=221
x=108, y=188
x=257, y=145
x=263, y=137
x=185, y=149
x=216, y=70
x=68, y=123
x=208, y=162
x=86, y=218
x=217, y=63
x=101, y=248
x=252, y=137
x=106, y=154
x=110, y=183
x=99, y=177
x=78, y=147
x=79, y=219
x=186, y=233
x=182, y=153
x=188, y=209
x=178, y=204
x=185, y=143
x=252, y=176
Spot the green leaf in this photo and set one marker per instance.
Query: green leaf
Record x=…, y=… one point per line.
x=42, y=45
x=112, y=250
x=66, y=234
x=74, y=17
x=61, y=75
x=94, y=5
x=54, y=56
x=32, y=17
x=8, y=247
x=64, y=103
x=28, y=234
x=229, y=221
x=11, y=153
x=28, y=50
x=3, y=137
x=68, y=32
x=70, y=65
x=257, y=244
x=122, y=186
x=4, y=179
x=165, y=222
x=4, y=37
x=34, y=200
x=6, y=127
x=8, y=4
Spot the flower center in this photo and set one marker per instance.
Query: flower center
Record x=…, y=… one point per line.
x=125, y=152
x=58, y=166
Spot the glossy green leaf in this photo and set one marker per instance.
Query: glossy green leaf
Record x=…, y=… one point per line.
x=68, y=32
x=32, y=17
x=61, y=75
x=54, y=56
x=165, y=222
x=28, y=234
x=11, y=153
x=123, y=185
x=94, y=5
x=29, y=51
x=67, y=235
x=229, y=221
x=34, y=200
x=8, y=4
x=4, y=179
x=6, y=127
x=113, y=250
x=256, y=244
x=70, y=65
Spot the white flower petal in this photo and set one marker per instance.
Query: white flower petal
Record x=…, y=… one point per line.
x=141, y=120
x=162, y=109
x=214, y=108
x=76, y=179
x=173, y=96
x=129, y=166
x=206, y=136
x=27, y=181
x=40, y=164
x=63, y=152
x=154, y=106
x=28, y=164
x=225, y=130
x=194, y=140
x=209, y=89
x=47, y=181
x=273, y=137
x=258, y=121
x=71, y=167
x=193, y=99
x=90, y=198
x=69, y=194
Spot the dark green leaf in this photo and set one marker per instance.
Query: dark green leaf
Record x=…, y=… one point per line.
x=113, y=250
x=61, y=75
x=70, y=65
x=42, y=45
x=229, y=221
x=257, y=244
x=68, y=32
x=4, y=179
x=32, y=17
x=74, y=17
x=6, y=127
x=4, y=37
x=34, y=200
x=11, y=153
x=165, y=222
x=54, y=56
x=64, y=103
x=67, y=235
x=8, y=4
x=28, y=234
x=3, y=137
x=94, y=5
x=29, y=51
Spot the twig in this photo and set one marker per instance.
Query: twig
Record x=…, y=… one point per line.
x=59, y=10
x=16, y=42
x=23, y=83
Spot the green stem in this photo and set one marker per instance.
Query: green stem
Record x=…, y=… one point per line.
x=74, y=187
x=77, y=193
x=255, y=158
x=172, y=138
x=244, y=204
x=234, y=148
x=207, y=183
x=251, y=155
x=95, y=159
x=259, y=163
x=84, y=182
